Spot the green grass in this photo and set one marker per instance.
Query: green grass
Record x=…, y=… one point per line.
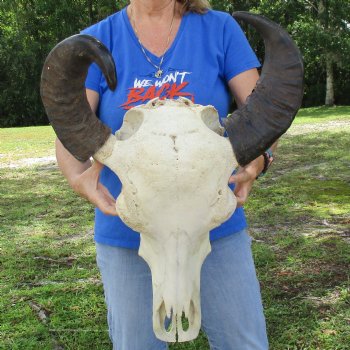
x=299, y=214
x=322, y=114
x=28, y=142
x=300, y=217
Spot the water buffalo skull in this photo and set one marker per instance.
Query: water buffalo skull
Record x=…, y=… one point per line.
x=172, y=200
x=173, y=160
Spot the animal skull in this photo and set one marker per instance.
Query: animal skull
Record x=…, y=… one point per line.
x=174, y=167
x=171, y=159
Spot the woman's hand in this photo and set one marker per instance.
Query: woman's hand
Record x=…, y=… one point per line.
x=244, y=179
x=88, y=186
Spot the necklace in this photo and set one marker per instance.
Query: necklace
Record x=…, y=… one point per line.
x=159, y=71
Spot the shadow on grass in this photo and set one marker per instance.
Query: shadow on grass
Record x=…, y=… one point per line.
x=301, y=222
x=298, y=214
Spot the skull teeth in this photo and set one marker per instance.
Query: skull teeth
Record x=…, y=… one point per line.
x=175, y=330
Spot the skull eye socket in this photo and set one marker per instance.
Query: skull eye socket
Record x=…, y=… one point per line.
x=133, y=120
x=210, y=118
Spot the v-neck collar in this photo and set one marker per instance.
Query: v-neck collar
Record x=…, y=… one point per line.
x=149, y=53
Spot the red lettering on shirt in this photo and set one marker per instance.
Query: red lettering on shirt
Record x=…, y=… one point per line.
x=165, y=87
x=134, y=96
x=175, y=91
x=150, y=94
x=141, y=95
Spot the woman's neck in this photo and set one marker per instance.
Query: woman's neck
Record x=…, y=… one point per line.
x=155, y=22
x=156, y=9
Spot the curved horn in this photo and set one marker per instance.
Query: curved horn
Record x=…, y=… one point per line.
x=271, y=108
x=64, y=98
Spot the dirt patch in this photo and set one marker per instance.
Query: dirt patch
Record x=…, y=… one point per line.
x=80, y=281
x=43, y=314
x=76, y=237
x=317, y=127
x=28, y=162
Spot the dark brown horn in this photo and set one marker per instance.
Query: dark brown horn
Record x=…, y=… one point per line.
x=64, y=98
x=271, y=108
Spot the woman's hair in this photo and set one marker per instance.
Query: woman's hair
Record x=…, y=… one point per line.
x=198, y=6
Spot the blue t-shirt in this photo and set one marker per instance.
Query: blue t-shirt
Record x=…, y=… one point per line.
x=207, y=52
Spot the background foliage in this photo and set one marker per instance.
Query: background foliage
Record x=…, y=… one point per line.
x=30, y=28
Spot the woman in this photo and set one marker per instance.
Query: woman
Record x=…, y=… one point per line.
x=167, y=49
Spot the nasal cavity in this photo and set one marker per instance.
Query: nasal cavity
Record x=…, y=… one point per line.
x=185, y=322
x=167, y=322
x=170, y=323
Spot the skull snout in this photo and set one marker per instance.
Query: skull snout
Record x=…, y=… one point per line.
x=176, y=285
x=179, y=322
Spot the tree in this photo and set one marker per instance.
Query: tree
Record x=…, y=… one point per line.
x=323, y=33
x=29, y=29
x=334, y=17
x=321, y=29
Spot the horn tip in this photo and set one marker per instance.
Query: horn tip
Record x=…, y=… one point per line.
x=112, y=83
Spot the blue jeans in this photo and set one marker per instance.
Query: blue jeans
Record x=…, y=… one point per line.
x=232, y=313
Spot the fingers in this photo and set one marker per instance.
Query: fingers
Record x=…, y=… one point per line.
x=241, y=192
x=240, y=202
x=249, y=172
x=103, y=202
x=241, y=199
x=106, y=192
x=243, y=184
x=106, y=202
x=107, y=208
x=89, y=187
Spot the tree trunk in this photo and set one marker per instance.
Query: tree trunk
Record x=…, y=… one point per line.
x=330, y=82
x=323, y=18
x=91, y=12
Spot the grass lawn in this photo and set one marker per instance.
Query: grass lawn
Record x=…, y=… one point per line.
x=50, y=291
x=322, y=114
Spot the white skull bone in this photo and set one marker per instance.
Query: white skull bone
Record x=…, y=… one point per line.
x=174, y=166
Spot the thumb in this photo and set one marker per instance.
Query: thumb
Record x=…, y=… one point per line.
x=105, y=204
x=97, y=166
x=240, y=177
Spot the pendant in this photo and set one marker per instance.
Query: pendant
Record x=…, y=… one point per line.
x=158, y=73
